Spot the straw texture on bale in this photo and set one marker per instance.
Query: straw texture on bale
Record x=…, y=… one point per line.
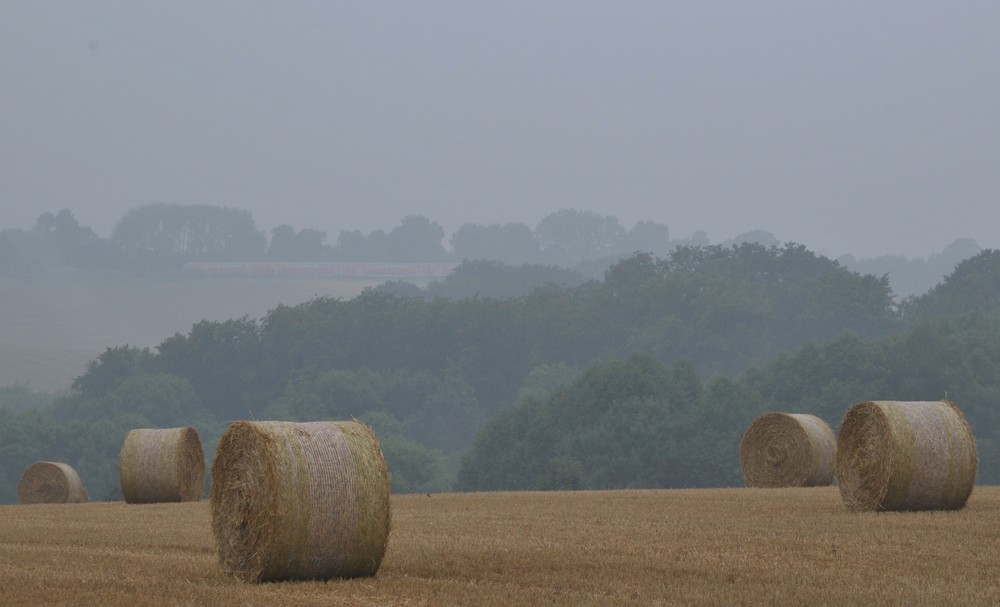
x=50, y=483
x=162, y=465
x=299, y=501
x=788, y=450
x=895, y=455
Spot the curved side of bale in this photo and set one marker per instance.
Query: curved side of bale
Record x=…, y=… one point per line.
x=788, y=450
x=162, y=465
x=51, y=483
x=894, y=455
x=299, y=500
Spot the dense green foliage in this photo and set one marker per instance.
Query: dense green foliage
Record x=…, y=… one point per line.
x=632, y=423
x=639, y=423
x=483, y=278
x=645, y=378
x=629, y=424
x=488, y=278
x=20, y=397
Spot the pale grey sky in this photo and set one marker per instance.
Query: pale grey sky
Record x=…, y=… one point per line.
x=861, y=127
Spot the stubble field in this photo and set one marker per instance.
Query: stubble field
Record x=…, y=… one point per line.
x=678, y=547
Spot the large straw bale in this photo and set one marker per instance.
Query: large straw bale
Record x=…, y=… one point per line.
x=299, y=500
x=162, y=465
x=50, y=483
x=895, y=455
x=788, y=450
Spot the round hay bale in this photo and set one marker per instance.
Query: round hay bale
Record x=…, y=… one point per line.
x=299, y=501
x=905, y=456
x=162, y=465
x=50, y=483
x=788, y=450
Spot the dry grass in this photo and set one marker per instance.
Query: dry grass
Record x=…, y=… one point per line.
x=691, y=547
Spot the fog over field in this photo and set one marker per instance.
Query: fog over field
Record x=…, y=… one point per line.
x=849, y=127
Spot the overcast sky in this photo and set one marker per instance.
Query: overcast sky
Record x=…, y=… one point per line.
x=862, y=127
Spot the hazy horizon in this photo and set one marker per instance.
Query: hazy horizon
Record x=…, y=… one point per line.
x=850, y=128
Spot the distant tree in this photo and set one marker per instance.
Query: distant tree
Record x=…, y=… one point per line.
x=415, y=239
x=545, y=379
x=619, y=424
x=484, y=278
x=334, y=394
x=282, y=245
x=175, y=233
x=57, y=241
x=955, y=253
x=110, y=368
x=569, y=236
x=19, y=397
x=648, y=237
x=415, y=469
x=708, y=304
x=223, y=362
x=761, y=237
x=440, y=411
x=305, y=245
x=974, y=286
x=912, y=277
x=398, y=288
x=352, y=246
x=511, y=243
x=161, y=398
x=69, y=238
x=698, y=239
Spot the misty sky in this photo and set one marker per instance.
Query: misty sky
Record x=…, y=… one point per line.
x=852, y=126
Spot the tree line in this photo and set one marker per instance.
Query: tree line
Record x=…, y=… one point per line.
x=660, y=364
x=165, y=236
x=162, y=237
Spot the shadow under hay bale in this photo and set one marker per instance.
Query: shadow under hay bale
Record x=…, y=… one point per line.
x=50, y=483
x=162, y=465
x=299, y=501
x=894, y=455
x=788, y=450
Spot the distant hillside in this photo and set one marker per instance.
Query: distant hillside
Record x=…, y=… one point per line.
x=911, y=277
x=50, y=326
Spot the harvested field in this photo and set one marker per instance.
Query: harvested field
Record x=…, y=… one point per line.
x=797, y=546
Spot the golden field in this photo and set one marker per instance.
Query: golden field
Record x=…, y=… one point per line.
x=665, y=547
